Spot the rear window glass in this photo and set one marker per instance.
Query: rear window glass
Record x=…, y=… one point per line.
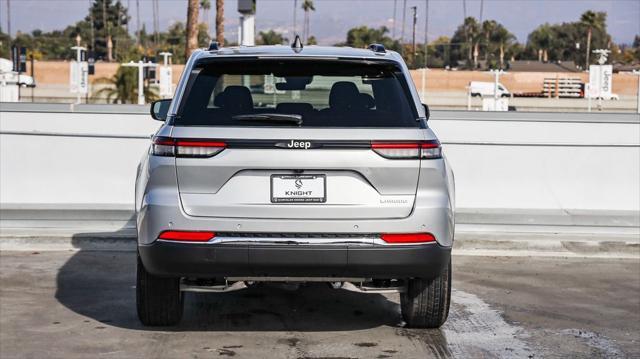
x=304, y=93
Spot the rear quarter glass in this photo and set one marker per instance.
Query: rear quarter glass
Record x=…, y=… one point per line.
x=324, y=93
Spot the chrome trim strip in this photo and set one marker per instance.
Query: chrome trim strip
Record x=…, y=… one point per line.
x=358, y=145
x=297, y=279
x=364, y=241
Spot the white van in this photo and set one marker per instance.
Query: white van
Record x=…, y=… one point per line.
x=478, y=88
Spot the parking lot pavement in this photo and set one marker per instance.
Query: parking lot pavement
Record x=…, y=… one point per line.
x=80, y=304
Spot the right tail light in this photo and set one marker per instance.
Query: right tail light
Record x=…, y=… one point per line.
x=408, y=150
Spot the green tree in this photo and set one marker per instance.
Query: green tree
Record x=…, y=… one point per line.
x=498, y=41
x=173, y=41
x=541, y=40
x=5, y=45
x=569, y=41
x=464, y=43
x=109, y=27
x=439, y=52
x=363, y=36
x=488, y=27
x=123, y=87
x=271, y=38
x=203, y=35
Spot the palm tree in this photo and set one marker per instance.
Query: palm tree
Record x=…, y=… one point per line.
x=488, y=28
x=206, y=6
x=504, y=39
x=123, y=87
x=542, y=39
x=295, y=17
x=472, y=33
x=307, y=5
x=593, y=21
x=220, y=22
x=192, y=28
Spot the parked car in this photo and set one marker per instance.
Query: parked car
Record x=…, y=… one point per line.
x=335, y=177
x=477, y=88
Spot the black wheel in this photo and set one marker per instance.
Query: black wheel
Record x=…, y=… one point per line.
x=159, y=300
x=425, y=304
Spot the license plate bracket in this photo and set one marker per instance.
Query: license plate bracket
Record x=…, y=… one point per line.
x=307, y=188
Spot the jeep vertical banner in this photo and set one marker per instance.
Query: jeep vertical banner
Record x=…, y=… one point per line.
x=79, y=77
x=166, y=89
x=600, y=80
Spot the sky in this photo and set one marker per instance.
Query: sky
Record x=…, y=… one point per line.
x=333, y=18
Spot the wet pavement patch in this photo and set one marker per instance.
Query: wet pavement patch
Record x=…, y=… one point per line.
x=500, y=308
x=226, y=352
x=292, y=342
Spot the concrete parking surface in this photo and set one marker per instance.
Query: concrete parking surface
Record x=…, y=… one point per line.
x=81, y=304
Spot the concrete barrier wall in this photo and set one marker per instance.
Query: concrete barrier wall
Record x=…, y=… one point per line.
x=572, y=166
x=49, y=73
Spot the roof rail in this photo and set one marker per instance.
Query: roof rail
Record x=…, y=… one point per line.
x=377, y=48
x=213, y=46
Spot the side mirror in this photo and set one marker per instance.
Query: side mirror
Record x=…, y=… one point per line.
x=427, y=113
x=159, y=109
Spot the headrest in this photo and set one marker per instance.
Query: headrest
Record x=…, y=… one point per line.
x=367, y=101
x=218, y=101
x=344, y=94
x=235, y=98
x=293, y=107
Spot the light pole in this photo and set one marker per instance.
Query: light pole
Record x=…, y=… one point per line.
x=602, y=59
x=496, y=74
x=247, y=29
x=166, y=75
x=637, y=73
x=79, y=70
x=140, y=65
x=165, y=57
x=426, y=48
x=414, y=9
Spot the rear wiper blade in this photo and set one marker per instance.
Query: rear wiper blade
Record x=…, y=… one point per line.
x=270, y=117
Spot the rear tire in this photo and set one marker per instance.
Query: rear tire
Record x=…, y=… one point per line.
x=159, y=300
x=425, y=304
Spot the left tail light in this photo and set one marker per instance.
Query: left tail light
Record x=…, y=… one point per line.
x=186, y=236
x=408, y=150
x=179, y=147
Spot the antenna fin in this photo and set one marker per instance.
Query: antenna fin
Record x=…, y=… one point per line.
x=297, y=43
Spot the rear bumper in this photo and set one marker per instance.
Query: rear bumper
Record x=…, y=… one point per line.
x=256, y=260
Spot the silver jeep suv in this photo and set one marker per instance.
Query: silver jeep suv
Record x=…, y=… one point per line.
x=291, y=164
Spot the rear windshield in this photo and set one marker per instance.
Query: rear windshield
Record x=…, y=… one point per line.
x=308, y=93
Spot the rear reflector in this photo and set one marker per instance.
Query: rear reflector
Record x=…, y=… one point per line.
x=173, y=147
x=408, y=150
x=186, y=236
x=408, y=237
